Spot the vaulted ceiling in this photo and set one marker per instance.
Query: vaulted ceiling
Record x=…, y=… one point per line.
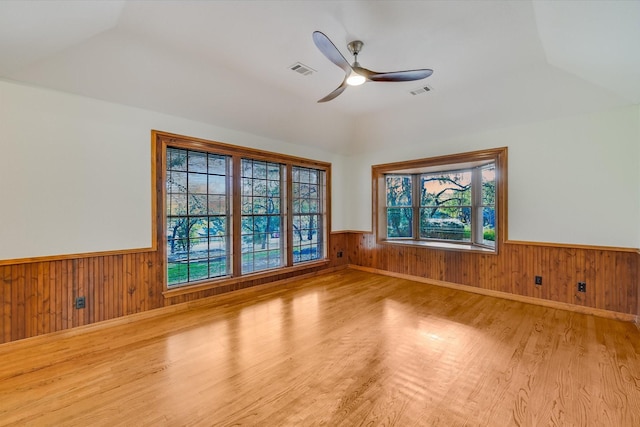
x=496, y=63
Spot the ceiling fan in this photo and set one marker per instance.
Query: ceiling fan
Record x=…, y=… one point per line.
x=356, y=75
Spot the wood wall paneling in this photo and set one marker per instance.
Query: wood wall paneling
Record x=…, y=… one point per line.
x=38, y=297
x=611, y=275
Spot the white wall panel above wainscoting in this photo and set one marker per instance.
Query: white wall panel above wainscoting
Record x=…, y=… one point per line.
x=573, y=180
x=75, y=172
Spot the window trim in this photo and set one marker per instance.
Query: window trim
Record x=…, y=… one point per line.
x=160, y=142
x=446, y=162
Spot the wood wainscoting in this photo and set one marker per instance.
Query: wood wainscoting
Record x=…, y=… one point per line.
x=611, y=274
x=38, y=297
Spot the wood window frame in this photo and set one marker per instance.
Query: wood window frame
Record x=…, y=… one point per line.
x=161, y=140
x=441, y=163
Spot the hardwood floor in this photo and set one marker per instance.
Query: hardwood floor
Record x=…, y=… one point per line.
x=346, y=348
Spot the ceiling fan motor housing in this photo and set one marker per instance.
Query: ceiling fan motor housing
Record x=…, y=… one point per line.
x=355, y=47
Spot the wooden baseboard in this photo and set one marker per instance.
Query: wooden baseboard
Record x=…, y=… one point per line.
x=520, y=298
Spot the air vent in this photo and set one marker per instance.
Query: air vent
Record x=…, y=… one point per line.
x=420, y=90
x=302, y=69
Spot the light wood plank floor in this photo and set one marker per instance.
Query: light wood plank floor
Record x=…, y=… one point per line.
x=347, y=348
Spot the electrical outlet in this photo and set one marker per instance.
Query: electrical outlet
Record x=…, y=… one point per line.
x=339, y=254
x=538, y=280
x=80, y=302
x=582, y=287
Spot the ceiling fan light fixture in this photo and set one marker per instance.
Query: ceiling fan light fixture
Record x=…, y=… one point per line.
x=355, y=79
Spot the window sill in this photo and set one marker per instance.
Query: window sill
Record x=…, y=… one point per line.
x=226, y=281
x=460, y=247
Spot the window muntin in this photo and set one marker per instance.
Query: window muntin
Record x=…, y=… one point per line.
x=308, y=207
x=262, y=216
x=197, y=212
x=452, y=202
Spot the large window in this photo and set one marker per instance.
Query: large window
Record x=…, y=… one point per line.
x=451, y=201
x=231, y=211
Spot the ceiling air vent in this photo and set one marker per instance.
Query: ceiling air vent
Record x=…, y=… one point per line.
x=420, y=90
x=302, y=69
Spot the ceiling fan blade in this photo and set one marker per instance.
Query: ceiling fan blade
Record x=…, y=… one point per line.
x=330, y=51
x=399, y=76
x=337, y=91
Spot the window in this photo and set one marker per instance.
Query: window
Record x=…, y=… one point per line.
x=451, y=202
x=308, y=193
x=399, y=193
x=262, y=216
x=231, y=211
x=198, y=241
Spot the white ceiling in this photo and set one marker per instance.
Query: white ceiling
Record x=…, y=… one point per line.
x=496, y=63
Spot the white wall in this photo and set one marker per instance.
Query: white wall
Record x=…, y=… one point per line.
x=75, y=172
x=574, y=180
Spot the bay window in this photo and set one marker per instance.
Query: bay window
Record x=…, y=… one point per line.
x=453, y=202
